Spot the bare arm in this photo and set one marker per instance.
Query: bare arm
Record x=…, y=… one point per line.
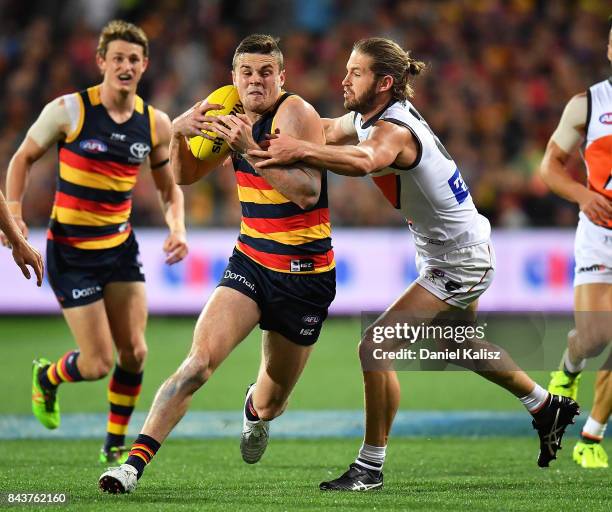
x=186, y=168
x=170, y=194
x=553, y=169
x=23, y=253
x=387, y=144
x=300, y=183
x=340, y=130
x=53, y=124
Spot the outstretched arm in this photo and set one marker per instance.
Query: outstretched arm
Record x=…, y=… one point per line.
x=170, y=194
x=564, y=141
x=387, y=143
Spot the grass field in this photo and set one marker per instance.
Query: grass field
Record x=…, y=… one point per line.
x=441, y=474
x=423, y=473
x=332, y=379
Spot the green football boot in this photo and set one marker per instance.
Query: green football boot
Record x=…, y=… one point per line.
x=45, y=405
x=563, y=384
x=115, y=455
x=590, y=455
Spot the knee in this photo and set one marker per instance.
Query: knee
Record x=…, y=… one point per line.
x=193, y=373
x=133, y=358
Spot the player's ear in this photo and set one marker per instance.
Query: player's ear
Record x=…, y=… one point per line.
x=101, y=63
x=385, y=83
x=282, y=77
x=145, y=64
x=234, y=78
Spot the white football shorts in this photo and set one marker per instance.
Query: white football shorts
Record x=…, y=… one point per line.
x=460, y=276
x=593, y=253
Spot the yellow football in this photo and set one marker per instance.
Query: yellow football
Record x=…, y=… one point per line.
x=204, y=149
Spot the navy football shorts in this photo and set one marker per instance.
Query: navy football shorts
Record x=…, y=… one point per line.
x=294, y=305
x=78, y=276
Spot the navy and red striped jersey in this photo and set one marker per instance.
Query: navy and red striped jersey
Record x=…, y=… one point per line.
x=98, y=168
x=274, y=231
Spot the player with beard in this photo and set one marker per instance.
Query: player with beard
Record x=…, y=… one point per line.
x=385, y=137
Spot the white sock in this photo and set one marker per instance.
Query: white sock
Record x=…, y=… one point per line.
x=536, y=399
x=371, y=457
x=593, y=429
x=571, y=367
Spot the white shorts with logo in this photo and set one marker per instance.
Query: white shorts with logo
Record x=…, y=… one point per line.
x=593, y=253
x=460, y=276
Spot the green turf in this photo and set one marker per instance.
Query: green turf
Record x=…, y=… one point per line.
x=445, y=474
x=332, y=379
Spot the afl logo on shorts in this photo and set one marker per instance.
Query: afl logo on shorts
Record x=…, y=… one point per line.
x=140, y=150
x=93, y=146
x=606, y=118
x=311, y=319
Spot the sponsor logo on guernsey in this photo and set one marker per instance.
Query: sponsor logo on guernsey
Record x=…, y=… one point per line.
x=80, y=293
x=140, y=150
x=93, y=146
x=118, y=136
x=240, y=279
x=311, y=319
x=606, y=118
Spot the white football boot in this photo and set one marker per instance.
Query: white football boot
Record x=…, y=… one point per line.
x=255, y=434
x=119, y=480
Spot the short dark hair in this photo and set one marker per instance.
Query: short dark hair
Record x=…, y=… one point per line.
x=124, y=31
x=388, y=58
x=259, y=43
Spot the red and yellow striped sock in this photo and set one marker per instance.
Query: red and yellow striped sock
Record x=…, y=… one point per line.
x=65, y=370
x=143, y=450
x=123, y=392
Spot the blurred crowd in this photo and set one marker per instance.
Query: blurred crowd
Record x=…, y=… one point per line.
x=499, y=73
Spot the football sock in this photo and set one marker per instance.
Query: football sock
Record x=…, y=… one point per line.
x=593, y=431
x=571, y=369
x=65, y=370
x=536, y=400
x=143, y=450
x=123, y=392
x=371, y=457
x=249, y=409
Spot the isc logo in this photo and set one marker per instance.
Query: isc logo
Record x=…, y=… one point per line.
x=306, y=332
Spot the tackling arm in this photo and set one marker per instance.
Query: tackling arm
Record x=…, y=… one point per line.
x=387, y=143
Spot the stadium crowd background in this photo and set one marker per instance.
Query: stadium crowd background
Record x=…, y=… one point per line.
x=500, y=72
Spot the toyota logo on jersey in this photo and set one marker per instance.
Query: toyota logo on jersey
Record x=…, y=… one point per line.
x=140, y=150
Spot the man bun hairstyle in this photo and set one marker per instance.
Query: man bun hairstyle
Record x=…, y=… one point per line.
x=123, y=31
x=263, y=44
x=389, y=59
